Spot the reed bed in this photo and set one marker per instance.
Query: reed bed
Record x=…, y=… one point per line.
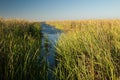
x=87, y=50
x=20, y=47
x=90, y=51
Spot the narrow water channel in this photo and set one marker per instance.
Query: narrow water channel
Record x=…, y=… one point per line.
x=50, y=36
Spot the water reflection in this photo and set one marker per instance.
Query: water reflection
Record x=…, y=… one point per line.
x=50, y=36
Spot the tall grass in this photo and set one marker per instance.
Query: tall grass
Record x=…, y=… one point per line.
x=90, y=52
x=20, y=46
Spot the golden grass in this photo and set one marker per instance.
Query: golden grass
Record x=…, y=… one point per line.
x=90, y=51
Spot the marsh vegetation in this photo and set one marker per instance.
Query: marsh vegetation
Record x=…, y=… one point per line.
x=90, y=50
x=20, y=46
x=86, y=50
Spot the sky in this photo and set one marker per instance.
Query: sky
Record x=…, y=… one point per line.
x=43, y=10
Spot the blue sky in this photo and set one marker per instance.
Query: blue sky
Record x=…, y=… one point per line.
x=60, y=9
